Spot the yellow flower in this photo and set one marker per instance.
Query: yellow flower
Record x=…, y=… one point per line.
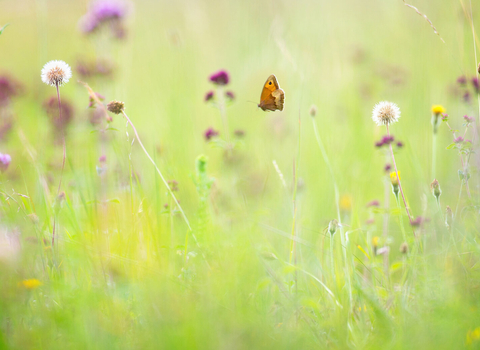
x=345, y=202
x=31, y=283
x=438, y=109
x=393, y=178
x=473, y=336
x=375, y=241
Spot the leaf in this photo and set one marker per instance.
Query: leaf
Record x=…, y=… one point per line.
x=113, y=200
x=364, y=252
x=3, y=28
x=451, y=146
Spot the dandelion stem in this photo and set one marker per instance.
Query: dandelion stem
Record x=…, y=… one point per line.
x=398, y=178
x=434, y=155
x=332, y=264
x=63, y=162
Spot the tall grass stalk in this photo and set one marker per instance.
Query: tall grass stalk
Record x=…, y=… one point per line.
x=337, y=204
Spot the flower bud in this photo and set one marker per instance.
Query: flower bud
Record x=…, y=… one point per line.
x=332, y=226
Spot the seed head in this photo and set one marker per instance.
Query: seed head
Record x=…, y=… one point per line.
x=404, y=248
x=56, y=73
x=116, y=107
x=313, y=111
x=435, y=186
x=385, y=113
x=332, y=226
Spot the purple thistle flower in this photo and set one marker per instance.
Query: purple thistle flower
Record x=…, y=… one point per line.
x=387, y=139
x=220, y=78
x=374, y=203
x=476, y=84
x=210, y=133
x=108, y=9
x=468, y=119
x=209, y=96
x=102, y=159
x=458, y=140
x=230, y=95
x=387, y=168
x=462, y=80
x=5, y=160
x=379, y=144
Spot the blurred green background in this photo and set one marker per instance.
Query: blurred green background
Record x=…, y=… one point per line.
x=118, y=275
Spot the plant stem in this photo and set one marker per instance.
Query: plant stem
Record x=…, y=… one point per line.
x=332, y=264
x=337, y=201
x=398, y=178
x=165, y=183
x=434, y=155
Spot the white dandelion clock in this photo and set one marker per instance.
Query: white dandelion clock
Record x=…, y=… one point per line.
x=56, y=73
x=385, y=113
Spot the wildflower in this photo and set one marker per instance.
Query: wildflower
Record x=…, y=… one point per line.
x=375, y=244
x=116, y=107
x=210, y=133
x=404, y=248
x=395, y=183
x=239, y=133
x=386, y=140
x=438, y=109
x=374, y=203
x=399, y=144
x=468, y=119
x=102, y=159
x=220, y=78
x=332, y=226
x=387, y=168
x=473, y=336
x=462, y=80
x=59, y=121
x=209, y=96
x=476, y=84
x=385, y=113
x=5, y=161
x=103, y=12
x=8, y=89
x=383, y=251
x=173, y=185
x=393, y=178
x=92, y=101
x=418, y=221
x=345, y=202
x=230, y=95
x=32, y=283
x=444, y=117
x=313, y=111
x=458, y=140
x=56, y=73
x=435, y=186
x=466, y=97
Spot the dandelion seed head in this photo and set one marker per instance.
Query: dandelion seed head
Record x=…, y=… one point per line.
x=385, y=113
x=56, y=73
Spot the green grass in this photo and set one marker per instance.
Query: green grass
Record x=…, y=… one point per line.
x=125, y=271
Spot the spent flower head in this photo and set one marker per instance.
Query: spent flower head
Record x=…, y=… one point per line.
x=385, y=113
x=56, y=73
x=435, y=186
x=116, y=107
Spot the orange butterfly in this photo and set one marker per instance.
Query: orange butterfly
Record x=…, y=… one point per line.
x=272, y=97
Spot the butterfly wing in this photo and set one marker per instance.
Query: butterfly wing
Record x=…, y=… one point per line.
x=272, y=97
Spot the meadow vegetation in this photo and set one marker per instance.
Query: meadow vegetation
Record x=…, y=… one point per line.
x=151, y=204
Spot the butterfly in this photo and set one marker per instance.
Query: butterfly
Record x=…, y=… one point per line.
x=272, y=97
